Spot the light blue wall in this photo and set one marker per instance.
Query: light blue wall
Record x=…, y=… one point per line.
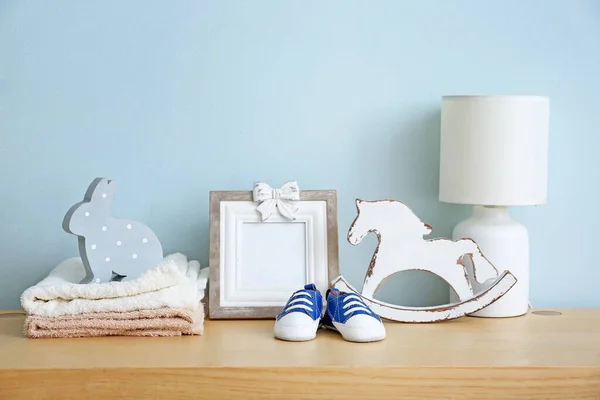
x=173, y=99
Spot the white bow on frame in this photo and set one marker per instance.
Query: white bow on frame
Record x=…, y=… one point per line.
x=276, y=199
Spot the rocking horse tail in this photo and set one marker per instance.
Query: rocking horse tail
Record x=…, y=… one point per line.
x=467, y=246
x=481, y=269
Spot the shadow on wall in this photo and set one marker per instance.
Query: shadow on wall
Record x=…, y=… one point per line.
x=413, y=159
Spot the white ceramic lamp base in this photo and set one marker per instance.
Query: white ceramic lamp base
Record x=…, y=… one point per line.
x=505, y=243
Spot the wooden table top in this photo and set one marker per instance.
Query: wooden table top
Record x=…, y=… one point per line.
x=539, y=349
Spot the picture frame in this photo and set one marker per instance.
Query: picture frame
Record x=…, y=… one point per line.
x=255, y=264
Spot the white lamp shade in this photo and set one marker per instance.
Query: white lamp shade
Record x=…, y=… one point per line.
x=494, y=150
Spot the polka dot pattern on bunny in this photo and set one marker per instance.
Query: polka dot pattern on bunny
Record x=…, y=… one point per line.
x=113, y=248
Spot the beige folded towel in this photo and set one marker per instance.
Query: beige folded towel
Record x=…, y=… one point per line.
x=153, y=322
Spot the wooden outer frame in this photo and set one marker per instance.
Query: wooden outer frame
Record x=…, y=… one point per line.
x=214, y=290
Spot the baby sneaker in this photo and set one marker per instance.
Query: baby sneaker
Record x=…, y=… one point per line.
x=301, y=315
x=348, y=314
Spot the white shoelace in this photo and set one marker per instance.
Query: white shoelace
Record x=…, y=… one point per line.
x=296, y=300
x=355, y=305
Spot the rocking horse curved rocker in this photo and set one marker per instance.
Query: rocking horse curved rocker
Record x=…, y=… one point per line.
x=402, y=247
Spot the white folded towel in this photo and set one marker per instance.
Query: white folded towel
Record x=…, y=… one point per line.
x=175, y=283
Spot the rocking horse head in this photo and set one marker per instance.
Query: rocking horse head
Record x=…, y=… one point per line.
x=386, y=216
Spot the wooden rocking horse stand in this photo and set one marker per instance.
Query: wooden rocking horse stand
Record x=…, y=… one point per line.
x=401, y=247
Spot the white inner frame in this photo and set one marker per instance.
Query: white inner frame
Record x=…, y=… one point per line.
x=234, y=293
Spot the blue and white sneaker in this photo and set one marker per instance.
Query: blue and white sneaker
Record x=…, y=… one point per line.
x=301, y=315
x=348, y=314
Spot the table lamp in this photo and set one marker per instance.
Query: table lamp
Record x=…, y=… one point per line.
x=493, y=155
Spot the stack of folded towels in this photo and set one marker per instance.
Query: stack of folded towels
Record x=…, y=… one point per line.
x=166, y=300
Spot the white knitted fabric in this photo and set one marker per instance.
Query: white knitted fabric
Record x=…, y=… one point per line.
x=175, y=283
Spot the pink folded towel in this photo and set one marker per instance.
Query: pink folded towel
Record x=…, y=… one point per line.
x=153, y=322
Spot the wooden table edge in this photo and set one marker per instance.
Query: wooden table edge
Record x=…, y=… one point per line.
x=331, y=382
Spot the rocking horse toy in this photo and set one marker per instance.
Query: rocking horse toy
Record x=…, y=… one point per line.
x=401, y=247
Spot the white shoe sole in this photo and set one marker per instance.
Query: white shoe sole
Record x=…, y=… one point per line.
x=354, y=334
x=298, y=333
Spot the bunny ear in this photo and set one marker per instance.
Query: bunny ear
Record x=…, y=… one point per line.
x=100, y=189
x=109, y=186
